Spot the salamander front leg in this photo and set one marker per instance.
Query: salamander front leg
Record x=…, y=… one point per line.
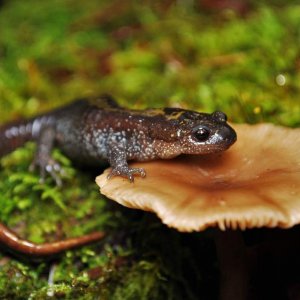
x=126, y=171
x=119, y=165
x=43, y=160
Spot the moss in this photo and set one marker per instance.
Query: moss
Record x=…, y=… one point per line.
x=145, y=55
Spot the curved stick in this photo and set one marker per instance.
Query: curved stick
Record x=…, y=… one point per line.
x=11, y=240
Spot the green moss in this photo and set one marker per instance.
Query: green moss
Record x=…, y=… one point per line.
x=145, y=55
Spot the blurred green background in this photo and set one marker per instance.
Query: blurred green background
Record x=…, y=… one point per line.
x=241, y=57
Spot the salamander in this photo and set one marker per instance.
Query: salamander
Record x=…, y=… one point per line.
x=94, y=131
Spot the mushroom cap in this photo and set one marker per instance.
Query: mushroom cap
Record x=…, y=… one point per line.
x=255, y=183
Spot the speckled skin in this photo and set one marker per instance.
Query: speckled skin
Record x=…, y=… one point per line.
x=95, y=131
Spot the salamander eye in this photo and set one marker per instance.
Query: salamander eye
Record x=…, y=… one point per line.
x=201, y=134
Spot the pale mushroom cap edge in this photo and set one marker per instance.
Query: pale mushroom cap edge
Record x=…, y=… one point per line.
x=256, y=183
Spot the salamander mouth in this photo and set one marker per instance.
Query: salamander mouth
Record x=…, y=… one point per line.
x=215, y=148
x=211, y=148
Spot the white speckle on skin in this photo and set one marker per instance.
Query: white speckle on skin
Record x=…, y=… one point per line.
x=13, y=132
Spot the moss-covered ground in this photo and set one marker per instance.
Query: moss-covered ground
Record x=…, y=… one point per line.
x=160, y=53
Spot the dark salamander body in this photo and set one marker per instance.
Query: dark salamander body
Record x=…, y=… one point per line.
x=91, y=132
x=94, y=131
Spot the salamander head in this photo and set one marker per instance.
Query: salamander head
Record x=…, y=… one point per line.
x=197, y=133
x=206, y=133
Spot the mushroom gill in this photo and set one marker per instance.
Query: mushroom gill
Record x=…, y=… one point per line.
x=255, y=183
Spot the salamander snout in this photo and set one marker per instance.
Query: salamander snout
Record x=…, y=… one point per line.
x=227, y=135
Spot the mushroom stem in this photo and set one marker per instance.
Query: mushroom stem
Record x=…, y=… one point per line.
x=231, y=252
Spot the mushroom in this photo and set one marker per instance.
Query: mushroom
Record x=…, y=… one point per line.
x=256, y=183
